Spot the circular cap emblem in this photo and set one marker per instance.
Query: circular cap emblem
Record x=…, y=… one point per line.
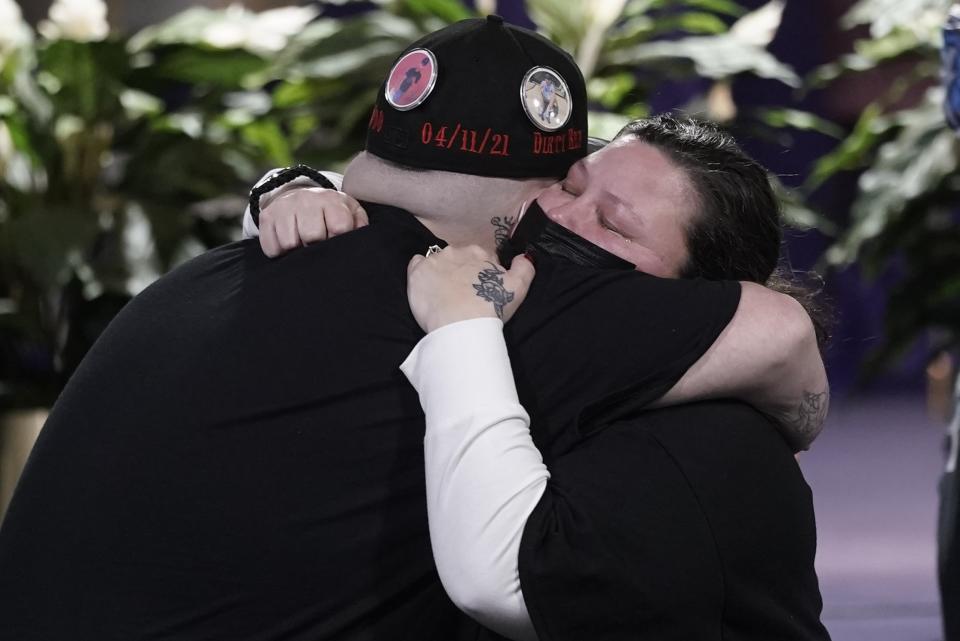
x=545, y=98
x=411, y=80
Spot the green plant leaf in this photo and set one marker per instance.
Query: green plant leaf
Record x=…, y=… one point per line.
x=796, y=119
x=447, y=10
x=265, y=134
x=853, y=152
x=908, y=167
x=713, y=57
x=224, y=68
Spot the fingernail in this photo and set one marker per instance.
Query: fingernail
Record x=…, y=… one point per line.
x=529, y=255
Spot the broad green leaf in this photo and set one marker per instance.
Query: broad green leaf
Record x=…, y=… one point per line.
x=266, y=134
x=913, y=164
x=564, y=21
x=223, y=68
x=852, y=152
x=695, y=23
x=605, y=125
x=713, y=57
x=805, y=120
x=723, y=7
x=610, y=91
x=447, y=10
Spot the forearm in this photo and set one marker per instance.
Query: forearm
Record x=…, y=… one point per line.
x=484, y=475
x=768, y=357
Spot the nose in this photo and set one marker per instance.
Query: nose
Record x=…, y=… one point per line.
x=556, y=205
x=565, y=213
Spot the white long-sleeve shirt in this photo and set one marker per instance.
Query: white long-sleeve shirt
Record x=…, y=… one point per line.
x=484, y=474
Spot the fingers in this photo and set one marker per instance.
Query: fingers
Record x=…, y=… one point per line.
x=311, y=228
x=416, y=260
x=522, y=269
x=287, y=234
x=338, y=218
x=359, y=213
x=268, y=240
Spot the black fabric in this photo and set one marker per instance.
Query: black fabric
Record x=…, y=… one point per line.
x=686, y=523
x=239, y=457
x=536, y=234
x=473, y=121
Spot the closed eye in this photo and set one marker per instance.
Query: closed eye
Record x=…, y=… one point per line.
x=606, y=224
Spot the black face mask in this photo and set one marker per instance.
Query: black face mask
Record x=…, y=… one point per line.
x=540, y=236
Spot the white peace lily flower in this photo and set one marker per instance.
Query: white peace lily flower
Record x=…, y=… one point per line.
x=231, y=31
x=79, y=20
x=927, y=25
x=758, y=27
x=605, y=12
x=6, y=143
x=274, y=28
x=486, y=7
x=268, y=31
x=15, y=168
x=14, y=32
x=287, y=21
x=600, y=15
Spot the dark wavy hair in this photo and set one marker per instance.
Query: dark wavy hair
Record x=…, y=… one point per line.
x=738, y=231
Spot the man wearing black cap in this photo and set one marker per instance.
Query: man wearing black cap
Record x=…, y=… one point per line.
x=187, y=488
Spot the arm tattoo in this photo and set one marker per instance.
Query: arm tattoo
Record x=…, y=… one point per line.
x=807, y=419
x=491, y=289
x=501, y=228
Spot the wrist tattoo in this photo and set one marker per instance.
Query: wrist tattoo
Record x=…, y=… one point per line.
x=808, y=417
x=491, y=289
x=501, y=229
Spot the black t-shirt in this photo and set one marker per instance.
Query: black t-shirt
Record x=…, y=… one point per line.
x=239, y=457
x=684, y=523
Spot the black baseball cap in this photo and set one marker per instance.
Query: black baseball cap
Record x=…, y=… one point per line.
x=482, y=97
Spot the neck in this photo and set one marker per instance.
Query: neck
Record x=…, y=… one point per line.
x=459, y=208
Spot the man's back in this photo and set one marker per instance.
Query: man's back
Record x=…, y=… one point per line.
x=196, y=460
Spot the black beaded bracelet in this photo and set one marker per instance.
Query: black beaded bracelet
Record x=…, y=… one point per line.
x=280, y=179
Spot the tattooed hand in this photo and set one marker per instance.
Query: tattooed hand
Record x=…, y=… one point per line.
x=460, y=283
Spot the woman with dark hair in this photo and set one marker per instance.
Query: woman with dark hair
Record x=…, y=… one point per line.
x=675, y=198
x=736, y=231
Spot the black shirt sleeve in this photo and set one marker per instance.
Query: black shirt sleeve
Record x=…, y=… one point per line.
x=589, y=346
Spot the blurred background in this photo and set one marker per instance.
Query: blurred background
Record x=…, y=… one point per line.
x=131, y=131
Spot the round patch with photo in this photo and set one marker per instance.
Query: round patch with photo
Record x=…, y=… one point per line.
x=546, y=98
x=411, y=80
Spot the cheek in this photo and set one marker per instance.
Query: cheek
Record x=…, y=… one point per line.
x=649, y=263
x=673, y=248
